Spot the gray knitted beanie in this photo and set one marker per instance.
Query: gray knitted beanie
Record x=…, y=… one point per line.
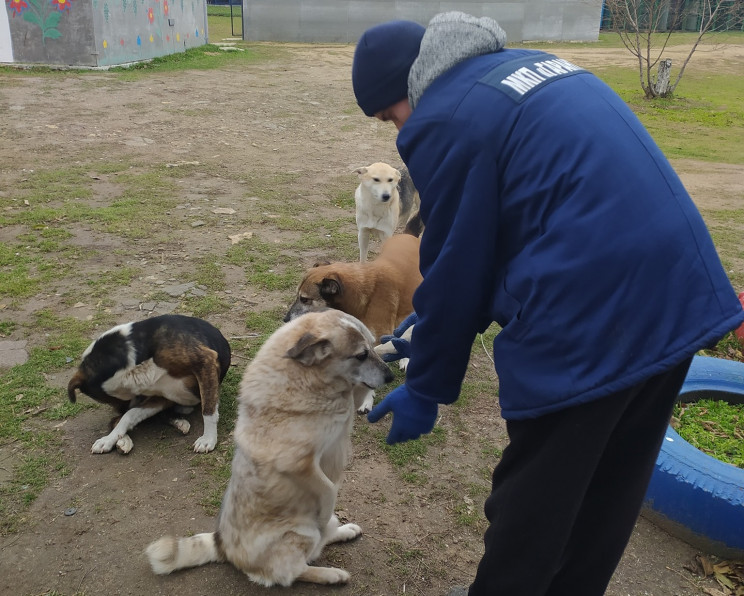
x=450, y=38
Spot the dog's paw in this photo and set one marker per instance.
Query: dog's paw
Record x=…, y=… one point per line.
x=324, y=575
x=367, y=403
x=181, y=424
x=347, y=532
x=384, y=348
x=204, y=444
x=104, y=444
x=403, y=363
x=124, y=445
x=337, y=576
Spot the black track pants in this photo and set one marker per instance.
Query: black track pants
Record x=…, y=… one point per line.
x=568, y=490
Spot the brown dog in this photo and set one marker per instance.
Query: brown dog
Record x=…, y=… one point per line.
x=378, y=293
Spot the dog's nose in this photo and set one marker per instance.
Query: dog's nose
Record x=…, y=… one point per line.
x=385, y=197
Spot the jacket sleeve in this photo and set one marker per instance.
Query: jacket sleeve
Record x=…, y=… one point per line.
x=458, y=184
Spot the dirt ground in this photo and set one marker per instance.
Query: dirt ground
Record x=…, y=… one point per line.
x=291, y=114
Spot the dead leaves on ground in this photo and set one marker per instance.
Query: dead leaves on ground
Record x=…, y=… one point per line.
x=729, y=575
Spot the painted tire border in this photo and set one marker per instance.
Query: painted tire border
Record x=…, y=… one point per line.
x=692, y=495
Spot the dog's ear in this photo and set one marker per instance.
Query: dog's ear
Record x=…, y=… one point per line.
x=321, y=264
x=330, y=286
x=309, y=350
x=360, y=171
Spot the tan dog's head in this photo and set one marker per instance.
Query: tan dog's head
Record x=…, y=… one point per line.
x=340, y=345
x=379, y=180
x=321, y=288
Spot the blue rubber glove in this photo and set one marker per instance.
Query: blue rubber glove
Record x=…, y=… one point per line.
x=402, y=346
x=412, y=417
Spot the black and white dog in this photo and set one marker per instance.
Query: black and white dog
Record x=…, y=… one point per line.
x=148, y=366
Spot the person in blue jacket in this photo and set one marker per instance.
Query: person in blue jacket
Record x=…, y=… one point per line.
x=550, y=210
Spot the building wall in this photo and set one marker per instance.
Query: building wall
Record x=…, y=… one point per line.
x=134, y=30
x=99, y=32
x=345, y=20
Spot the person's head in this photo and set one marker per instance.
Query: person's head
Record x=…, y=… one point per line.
x=382, y=60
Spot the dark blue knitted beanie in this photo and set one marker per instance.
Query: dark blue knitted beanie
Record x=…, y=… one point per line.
x=382, y=60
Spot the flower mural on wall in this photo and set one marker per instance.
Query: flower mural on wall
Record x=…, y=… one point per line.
x=62, y=5
x=16, y=7
x=45, y=14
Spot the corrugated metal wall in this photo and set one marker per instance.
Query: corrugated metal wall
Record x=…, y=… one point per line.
x=345, y=20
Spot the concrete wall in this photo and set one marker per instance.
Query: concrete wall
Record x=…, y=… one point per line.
x=345, y=20
x=98, y=32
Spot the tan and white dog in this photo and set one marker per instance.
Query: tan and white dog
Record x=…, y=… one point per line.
x=292, y=443
x=145, y=367
x=385, y=196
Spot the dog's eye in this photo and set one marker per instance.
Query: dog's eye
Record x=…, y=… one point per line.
x=376, y=179
x=363, y=356
x=305, y=300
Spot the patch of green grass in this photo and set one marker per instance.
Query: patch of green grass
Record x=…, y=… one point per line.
x=7, y=327
x=413, y=452
x=138, y=212
x=704, y=120
x=25, y=267
x=209, y=273
x=67, y=409
x=101, y=284
x=466, y=514
x=608, y=39
x=345, y=201
x=403, y=559
x=415, y=478
x=490, y=451
x=264, y=322
x=208, y=56
x=473, y=388
x=714, y=427
x=55, y=184
x=18, y=282
x=42, y=456
x=203, y=306
x=726, y=227
x=267, y=265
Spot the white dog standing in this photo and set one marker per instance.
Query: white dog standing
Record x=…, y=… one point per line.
x=384, y=196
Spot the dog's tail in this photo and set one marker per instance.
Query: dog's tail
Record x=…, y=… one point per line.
x=75, y=383
x=409, y=204
x=414, y=226
x=169, y=554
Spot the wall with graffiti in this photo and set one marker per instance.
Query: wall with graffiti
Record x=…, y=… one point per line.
x=98, y=32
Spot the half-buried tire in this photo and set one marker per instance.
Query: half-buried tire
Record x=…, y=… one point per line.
x=692, y=495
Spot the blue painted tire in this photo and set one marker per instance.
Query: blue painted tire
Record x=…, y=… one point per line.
x=693, y=495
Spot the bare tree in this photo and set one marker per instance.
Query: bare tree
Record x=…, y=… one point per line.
x=645, y=27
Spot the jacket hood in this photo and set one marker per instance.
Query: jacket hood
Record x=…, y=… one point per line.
x=450, y=38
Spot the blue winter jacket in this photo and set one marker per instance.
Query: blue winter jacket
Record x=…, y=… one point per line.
x=550, y=210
